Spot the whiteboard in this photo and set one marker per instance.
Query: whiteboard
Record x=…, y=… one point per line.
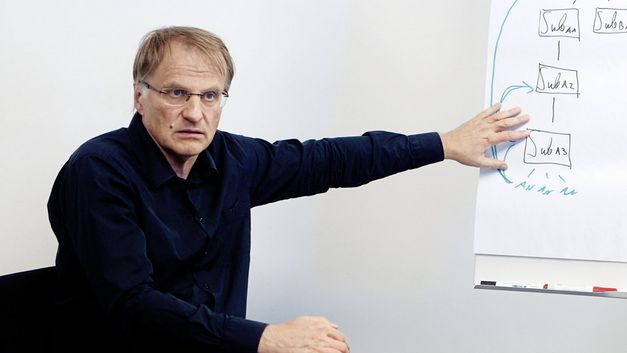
x=562, y=195
x=557, y=213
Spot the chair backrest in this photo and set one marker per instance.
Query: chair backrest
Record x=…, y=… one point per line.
x=28, y=314
x=33, y=320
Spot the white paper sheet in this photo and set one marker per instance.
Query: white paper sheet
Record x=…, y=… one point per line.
x=564, y=194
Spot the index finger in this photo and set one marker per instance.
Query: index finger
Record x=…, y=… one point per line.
x=490, y=111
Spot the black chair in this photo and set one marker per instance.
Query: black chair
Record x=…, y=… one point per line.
x=28, y=313
x=31, y=318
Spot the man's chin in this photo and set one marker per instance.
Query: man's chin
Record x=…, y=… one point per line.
x=191, y=150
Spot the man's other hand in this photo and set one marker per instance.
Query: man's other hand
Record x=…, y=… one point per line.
x=303, y=335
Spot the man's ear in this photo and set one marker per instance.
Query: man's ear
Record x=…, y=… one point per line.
x=137, y=98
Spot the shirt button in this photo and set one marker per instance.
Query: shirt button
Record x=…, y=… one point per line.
x=205, y=286
x=205, y=252
x=201, y=220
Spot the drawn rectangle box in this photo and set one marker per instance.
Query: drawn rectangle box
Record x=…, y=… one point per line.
x=559, y=23
x=557, y=80
x=610, y=21
x=545, y=147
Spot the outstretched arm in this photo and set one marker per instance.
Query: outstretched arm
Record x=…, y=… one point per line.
x=469, y=142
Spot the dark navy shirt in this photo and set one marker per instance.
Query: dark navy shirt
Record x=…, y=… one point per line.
x=169, y=258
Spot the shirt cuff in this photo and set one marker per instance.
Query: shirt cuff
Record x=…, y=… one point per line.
x=242, y=335
x=426, y=149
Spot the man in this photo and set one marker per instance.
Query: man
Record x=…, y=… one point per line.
x=153, y=221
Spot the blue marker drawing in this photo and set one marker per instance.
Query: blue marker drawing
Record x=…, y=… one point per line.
x=511, y=88
x=507, y=151
x=496, y=48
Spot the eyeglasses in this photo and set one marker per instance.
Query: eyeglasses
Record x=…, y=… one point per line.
x=179, y=96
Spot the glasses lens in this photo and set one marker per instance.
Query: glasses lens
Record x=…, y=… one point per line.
x=176, y=96
x=210, y=97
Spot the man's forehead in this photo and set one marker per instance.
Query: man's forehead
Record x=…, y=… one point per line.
x=181, y=53
x=182, y=61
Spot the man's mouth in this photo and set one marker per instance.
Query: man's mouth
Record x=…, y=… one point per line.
x=191, y=132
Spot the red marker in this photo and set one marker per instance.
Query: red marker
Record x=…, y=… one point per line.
x=595, y=289
x=603, y=289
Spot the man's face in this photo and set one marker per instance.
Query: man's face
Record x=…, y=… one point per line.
x=181, y=132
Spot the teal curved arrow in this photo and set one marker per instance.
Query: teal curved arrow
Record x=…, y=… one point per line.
x=512, y=88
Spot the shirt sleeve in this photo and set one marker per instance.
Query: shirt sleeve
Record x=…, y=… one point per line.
x=100, y=221
x=290, y=168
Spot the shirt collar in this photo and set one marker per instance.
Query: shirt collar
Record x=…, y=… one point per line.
x=153, y=163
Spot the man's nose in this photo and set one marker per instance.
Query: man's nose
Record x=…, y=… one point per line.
x=192, y=110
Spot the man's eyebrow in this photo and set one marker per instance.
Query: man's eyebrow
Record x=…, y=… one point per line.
x=174, y=84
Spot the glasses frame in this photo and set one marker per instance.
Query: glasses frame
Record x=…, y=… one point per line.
x=225, y=94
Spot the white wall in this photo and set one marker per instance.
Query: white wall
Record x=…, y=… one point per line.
x=391, y=262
